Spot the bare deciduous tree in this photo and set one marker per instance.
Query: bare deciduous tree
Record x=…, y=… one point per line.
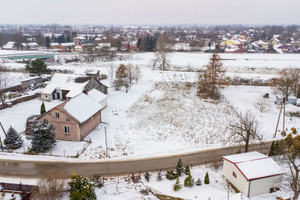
x=3, y=86
x=288, y=82
x=245, y=129
x=262, y=105
x=162, y=60
x=51, y=187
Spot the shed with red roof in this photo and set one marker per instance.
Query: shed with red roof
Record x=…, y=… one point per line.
x=252, y=173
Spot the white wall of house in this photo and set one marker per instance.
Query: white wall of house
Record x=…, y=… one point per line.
x=262, y=186
x=46, y=97
x=240, y=182
x=104, y=102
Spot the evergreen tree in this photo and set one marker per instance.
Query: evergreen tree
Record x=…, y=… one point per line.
x=13, y=140
x=47, y=41
x=147, y=176
x=198, y=182
x=189, y=181
x=97, y=181
x=179, y=167
x=159, y=177
x=187, y=170
x=43, y=136
x=206, y=178
x=177, y=186
x=272, y=149
x=43, y=109
x=37, y=66
x=171, y=175
x=68, y=38
x=81, y=188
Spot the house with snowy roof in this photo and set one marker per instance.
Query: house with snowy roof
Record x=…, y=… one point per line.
x=66, y=46
x=74, y=119
x=252, y=173
x=10, y=46
x=66, y=86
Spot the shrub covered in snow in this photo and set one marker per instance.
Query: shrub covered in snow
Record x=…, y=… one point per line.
x=171, y=175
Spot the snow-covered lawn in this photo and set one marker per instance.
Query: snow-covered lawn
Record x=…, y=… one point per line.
x=244, y=98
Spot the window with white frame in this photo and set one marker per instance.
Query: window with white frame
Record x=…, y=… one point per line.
x=67, y=129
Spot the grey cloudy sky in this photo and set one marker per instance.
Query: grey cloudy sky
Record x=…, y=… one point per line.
x=150, y=11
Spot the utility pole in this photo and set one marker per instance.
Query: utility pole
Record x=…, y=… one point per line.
x=283, y=125
x=105, y=141
x=3, y=129
x=278, y=121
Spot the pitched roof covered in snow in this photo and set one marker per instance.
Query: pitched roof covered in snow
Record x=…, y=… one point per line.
x=82, y=107
x=9, y=45
x=96, y=95
x=65, y=82
x=254, y=165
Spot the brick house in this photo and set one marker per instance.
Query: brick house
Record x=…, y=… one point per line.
x=74, y=119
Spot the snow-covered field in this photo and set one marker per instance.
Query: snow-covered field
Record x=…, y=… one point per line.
x=161, y=113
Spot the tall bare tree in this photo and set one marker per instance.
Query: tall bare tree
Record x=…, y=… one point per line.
x=50, y=187
x=3, y=86
x=287, y=83
x=162, y=60
x=245, y=129
x=212, y=79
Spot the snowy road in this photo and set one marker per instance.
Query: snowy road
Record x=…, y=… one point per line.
x=30, y=169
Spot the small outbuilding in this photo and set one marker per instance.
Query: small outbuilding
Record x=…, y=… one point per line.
x=252, y=173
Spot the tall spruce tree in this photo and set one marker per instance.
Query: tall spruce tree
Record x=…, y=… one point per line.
x=43, y=108
x=43, y=136
x=13, y=140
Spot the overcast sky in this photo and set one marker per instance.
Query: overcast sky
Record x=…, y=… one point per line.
x=150, y=12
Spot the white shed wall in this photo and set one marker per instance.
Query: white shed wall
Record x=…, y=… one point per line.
x=262, y=186
x=240, y=182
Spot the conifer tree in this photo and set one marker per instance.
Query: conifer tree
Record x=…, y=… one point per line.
x=13, y=140
x=159, y=177
x=43, y=136
x=213, y=79
x=177, y=186
x=81, y=188
x=272, y=149
x=147, y=176
x=187, y=170
x=43, y=109
x=189, y=181
x=198, y=182
x=171, y=175
x=179, y=167
x=206, y=179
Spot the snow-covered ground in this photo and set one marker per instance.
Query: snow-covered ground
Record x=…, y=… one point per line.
x=116, y=188
x=161, y=114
